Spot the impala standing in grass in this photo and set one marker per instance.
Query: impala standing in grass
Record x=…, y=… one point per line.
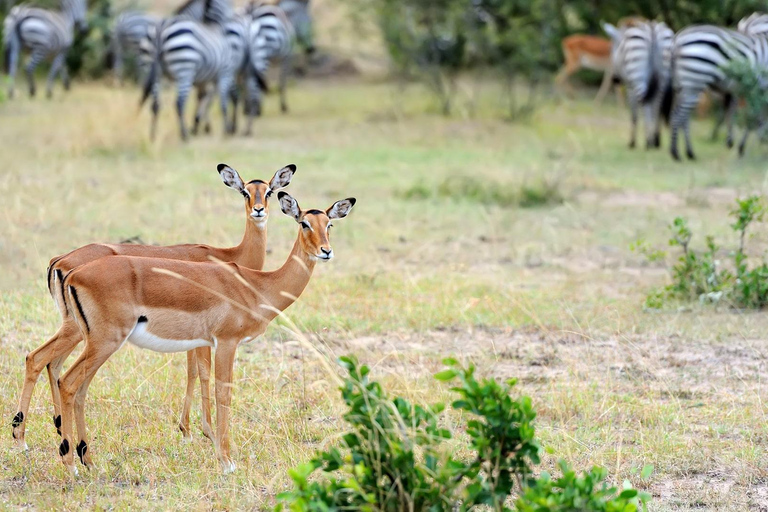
x=176, y=306
x=250, y=253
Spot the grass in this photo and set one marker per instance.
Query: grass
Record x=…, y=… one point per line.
x=550, y=294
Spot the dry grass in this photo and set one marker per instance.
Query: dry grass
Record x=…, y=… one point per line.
x=551, y=295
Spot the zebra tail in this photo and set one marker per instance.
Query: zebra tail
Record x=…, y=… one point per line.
x=654, y=63
x=666, y=102
x=261, y=80
x=153, y=76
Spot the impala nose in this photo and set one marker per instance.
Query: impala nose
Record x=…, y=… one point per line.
x=258, y=212
x=326, y=254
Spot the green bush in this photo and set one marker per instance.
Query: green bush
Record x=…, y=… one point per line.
x=394, y=456
x=702, y=276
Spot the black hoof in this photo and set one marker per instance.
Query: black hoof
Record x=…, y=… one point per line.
x=729, y=143
x=631, y=144
x=690, y=155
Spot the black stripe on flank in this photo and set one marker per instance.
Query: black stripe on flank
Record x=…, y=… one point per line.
x=73, y=292
x=60, y=276
x=142, y=319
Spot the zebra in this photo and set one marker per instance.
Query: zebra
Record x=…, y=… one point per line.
x=700, y=55
x=298, y=14
x=216, y=12
x=129, y=29
x=640, y=58
x=191, y=54
x=270, y=39
x=45, y=33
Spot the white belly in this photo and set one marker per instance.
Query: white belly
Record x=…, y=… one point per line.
x=145, y=339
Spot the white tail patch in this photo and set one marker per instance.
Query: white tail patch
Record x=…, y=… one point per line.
x=142, y=338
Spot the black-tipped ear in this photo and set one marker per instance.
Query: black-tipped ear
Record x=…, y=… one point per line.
x=282, y=178
x=340, y=209
x=232, y=179
x=289, y=205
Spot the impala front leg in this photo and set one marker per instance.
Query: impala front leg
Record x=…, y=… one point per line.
x=225, y=361
x=204, y=371
x=188, y=396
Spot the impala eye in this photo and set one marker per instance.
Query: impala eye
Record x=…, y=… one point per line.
x=329, y=227
x=269, y=193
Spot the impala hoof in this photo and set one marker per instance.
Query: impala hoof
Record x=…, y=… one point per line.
x=228, y=467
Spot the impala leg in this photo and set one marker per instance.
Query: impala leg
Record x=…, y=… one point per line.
x=185, y=408
x=605, y=85
x=204, y=370
x=61, y=343
x=100, y=344
x=561, y=79
x=54, y=371
x=225, y=360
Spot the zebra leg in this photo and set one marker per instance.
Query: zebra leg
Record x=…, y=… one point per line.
x=12, y=54
x=252, y=101
x=730, y=110
x=633, y=113
x=181, y=101
x=743, y=142
x=117, y=50
x=284, y=70
x=648, y=122
x=56, y=65
x=225, y=85
x=234, y=95
x=65, y=76
x=203, y=105
x=34, y=59
x=681, y=118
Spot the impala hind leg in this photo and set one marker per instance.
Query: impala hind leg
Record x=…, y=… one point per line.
x=61, y=343
x=100, y=344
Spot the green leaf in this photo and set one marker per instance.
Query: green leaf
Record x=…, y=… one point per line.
x=446, y=375
x=647, y=471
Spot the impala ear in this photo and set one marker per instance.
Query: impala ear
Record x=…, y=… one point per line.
x=282, y=178
x=289, y=205
x=232, y=179
x=340, y=209
x=612, y=31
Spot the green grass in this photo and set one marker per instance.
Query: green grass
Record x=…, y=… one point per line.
x=550, y=294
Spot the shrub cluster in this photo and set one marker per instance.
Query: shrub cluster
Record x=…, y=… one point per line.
x=703, y=276
x=394, y=456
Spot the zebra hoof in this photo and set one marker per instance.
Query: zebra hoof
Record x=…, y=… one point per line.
x=729, y=143
x=675, y=155
x=690, y=155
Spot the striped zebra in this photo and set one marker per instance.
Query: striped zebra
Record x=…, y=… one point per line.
x=129, y=29
x=298, y=13
x=700, y=55
x=192, y=55
x=270, y=40
x=216, y=12
x=44, y=33
x=640, y=58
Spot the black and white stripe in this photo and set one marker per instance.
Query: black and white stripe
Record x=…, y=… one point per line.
x=45, y=33
x=207, y=11
x=640, y=58
x=191, y=54
x=300, y=17
x=270, y=40
x=129, y=29
x=700, y=55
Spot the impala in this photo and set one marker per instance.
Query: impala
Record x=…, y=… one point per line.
x=589, y=52
x=175, y=306
x=250, y=254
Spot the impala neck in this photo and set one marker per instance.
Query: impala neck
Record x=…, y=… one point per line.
x=280, y=288
x=253, y=248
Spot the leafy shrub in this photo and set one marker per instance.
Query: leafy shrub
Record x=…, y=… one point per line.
x=542, y=192
x=394, y=457
x=702, y=276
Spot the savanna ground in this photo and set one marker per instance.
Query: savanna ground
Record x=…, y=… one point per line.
x=551, y=295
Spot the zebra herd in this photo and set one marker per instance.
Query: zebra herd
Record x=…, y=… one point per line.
x=667, y=72
x=206, y=45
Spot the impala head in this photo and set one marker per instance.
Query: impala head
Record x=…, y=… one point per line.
x=315, y=224
x=256, y=192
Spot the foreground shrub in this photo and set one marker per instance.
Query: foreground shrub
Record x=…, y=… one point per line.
x=394, y=456
x=702, y=276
